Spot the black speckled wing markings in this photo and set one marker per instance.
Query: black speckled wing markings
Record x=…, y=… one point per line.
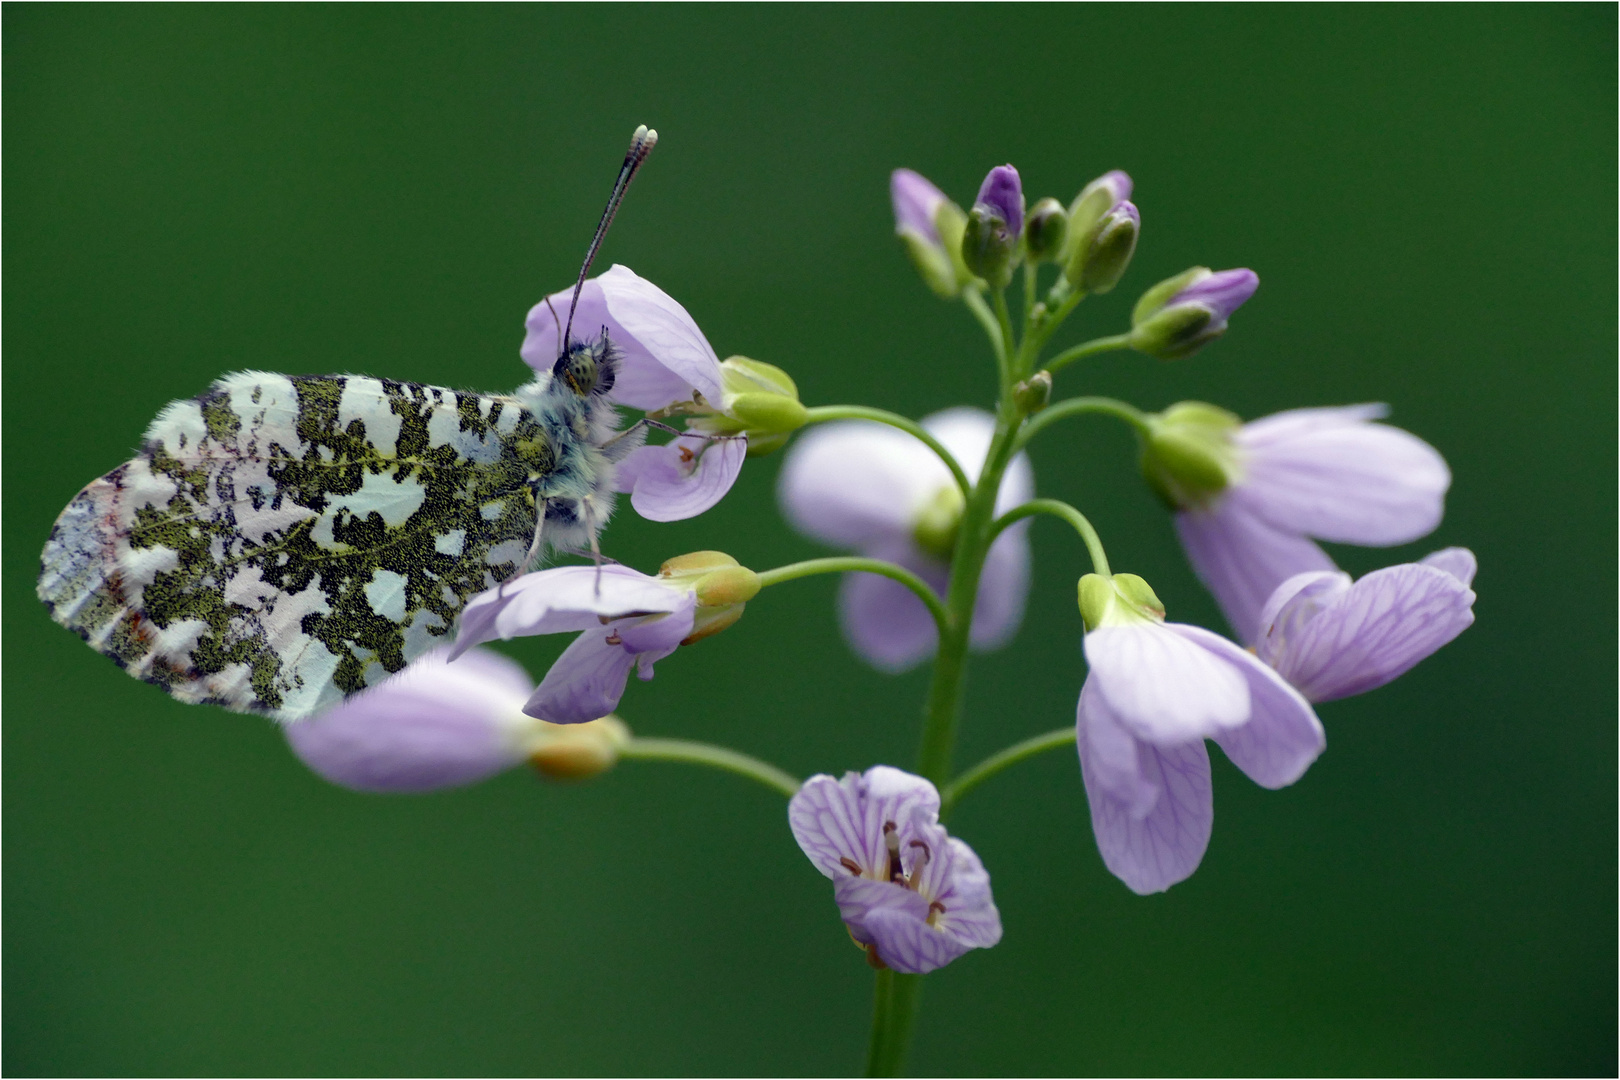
x=283, y=541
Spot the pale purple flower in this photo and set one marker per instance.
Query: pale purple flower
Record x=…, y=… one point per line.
x=665, y=361
x=1331, y=638
x=916, y=202
x=629, y=620
x=1155, y=691
x=1003, y=193
x=875, y=489
x=1331, y=474
x=1221, y=293
x=911, y=894
x=438, y=724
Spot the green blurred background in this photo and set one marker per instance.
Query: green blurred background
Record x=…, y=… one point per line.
x=1428, y=195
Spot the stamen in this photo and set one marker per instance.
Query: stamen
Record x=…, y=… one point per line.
x=918, y=863
x=851, y=865
x=891, y=840
x=615, y=639
x=935, y=910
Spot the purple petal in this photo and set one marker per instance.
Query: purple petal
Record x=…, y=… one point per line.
x=588, y=679
x=964, y=889
x=1283, y=735
x=1003, y=192
x=665, y=357
x=893, y=919
x=1333, y=475
x=855, y=484
x=1111, y=755
x=433, y=725
x=998, y=609
x=562, y=599
x=1222, y=292
x=1149, y=851
x=885, y=622
x=1377, y=630
x=1296, y=602
x=682, y=478
x=1459, y=562
x=1241, y=557
x=915, y=203
x=843, y=819
x=1165, y=686
x=658, y=633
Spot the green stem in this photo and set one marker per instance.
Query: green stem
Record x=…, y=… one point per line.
x=1031, y=280
x=894, y=1008
x=841, y=564
x=1011, y=372
x=1062, y=510
x=974, y=299
x=1085, y=349
x=822, y=413
x=993, y=764
x=1075, y=407
x=716, y=757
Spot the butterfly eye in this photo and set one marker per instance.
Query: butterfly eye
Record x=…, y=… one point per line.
x=577, y=369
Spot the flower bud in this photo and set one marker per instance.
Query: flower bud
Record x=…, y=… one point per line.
x=1099, y=260
x=1188, y=455
x=994, y=225
x=1095, y=199
x=578, y=751
x=1033, y=393
x=1045, y=230
x=936, y=525
x=720, y=585
x=1181, y=315
x=1117, y=600
x=930, y=226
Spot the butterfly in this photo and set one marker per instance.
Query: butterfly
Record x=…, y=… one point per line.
x=283, y=541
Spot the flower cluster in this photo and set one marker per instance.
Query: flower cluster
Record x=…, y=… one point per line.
x=937, y=515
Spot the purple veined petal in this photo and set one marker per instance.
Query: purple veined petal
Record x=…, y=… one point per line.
x=915, y=203
x=586, y=681
x=883, y=621
x=664, y=354
x=1149, y=851
x=1110, y=755
x=1294, y=603
x=1164, y=687
x=841, y=819
x=434, y=725
x=894, y=919
x=1241, y=558
x=1003, y=192
x=682, y=478
x=658, y=633
x=1222, y=292
x=561, y=599
x=970, y=914
x=1377, y=630
x=1459, y=562
x=998, y=609
x=1280, y=428
x=856, y=484
x=1352, y=482
x=1283, y=736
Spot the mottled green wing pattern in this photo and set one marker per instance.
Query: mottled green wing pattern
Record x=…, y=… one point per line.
x=283, y=541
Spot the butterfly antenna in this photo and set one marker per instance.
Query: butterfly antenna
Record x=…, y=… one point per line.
x=641, y=144
x=558, y=324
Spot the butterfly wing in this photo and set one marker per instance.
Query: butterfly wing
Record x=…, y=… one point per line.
x=283, y=541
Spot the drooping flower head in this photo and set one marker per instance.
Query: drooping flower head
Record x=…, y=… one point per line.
x=913, y=896
x=665, y=363
x=1331, y=638
x=438, y=725
x=1252, y=497
x=1154, y=692
x=630, y=621
x=875, y=489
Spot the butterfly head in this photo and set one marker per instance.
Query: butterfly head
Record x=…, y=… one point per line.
x=588, y=367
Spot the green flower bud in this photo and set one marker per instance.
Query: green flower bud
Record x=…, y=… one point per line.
x=720, y=584
x=1181, y=315
x=934, y=263
x=1033, y=393
x=1088, y=207
x=988, y=245
x=936, y=525
x=1117, y=600
x=1099, y=261
x=757, y=399
x=1045, y=230
x=1188, y=455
